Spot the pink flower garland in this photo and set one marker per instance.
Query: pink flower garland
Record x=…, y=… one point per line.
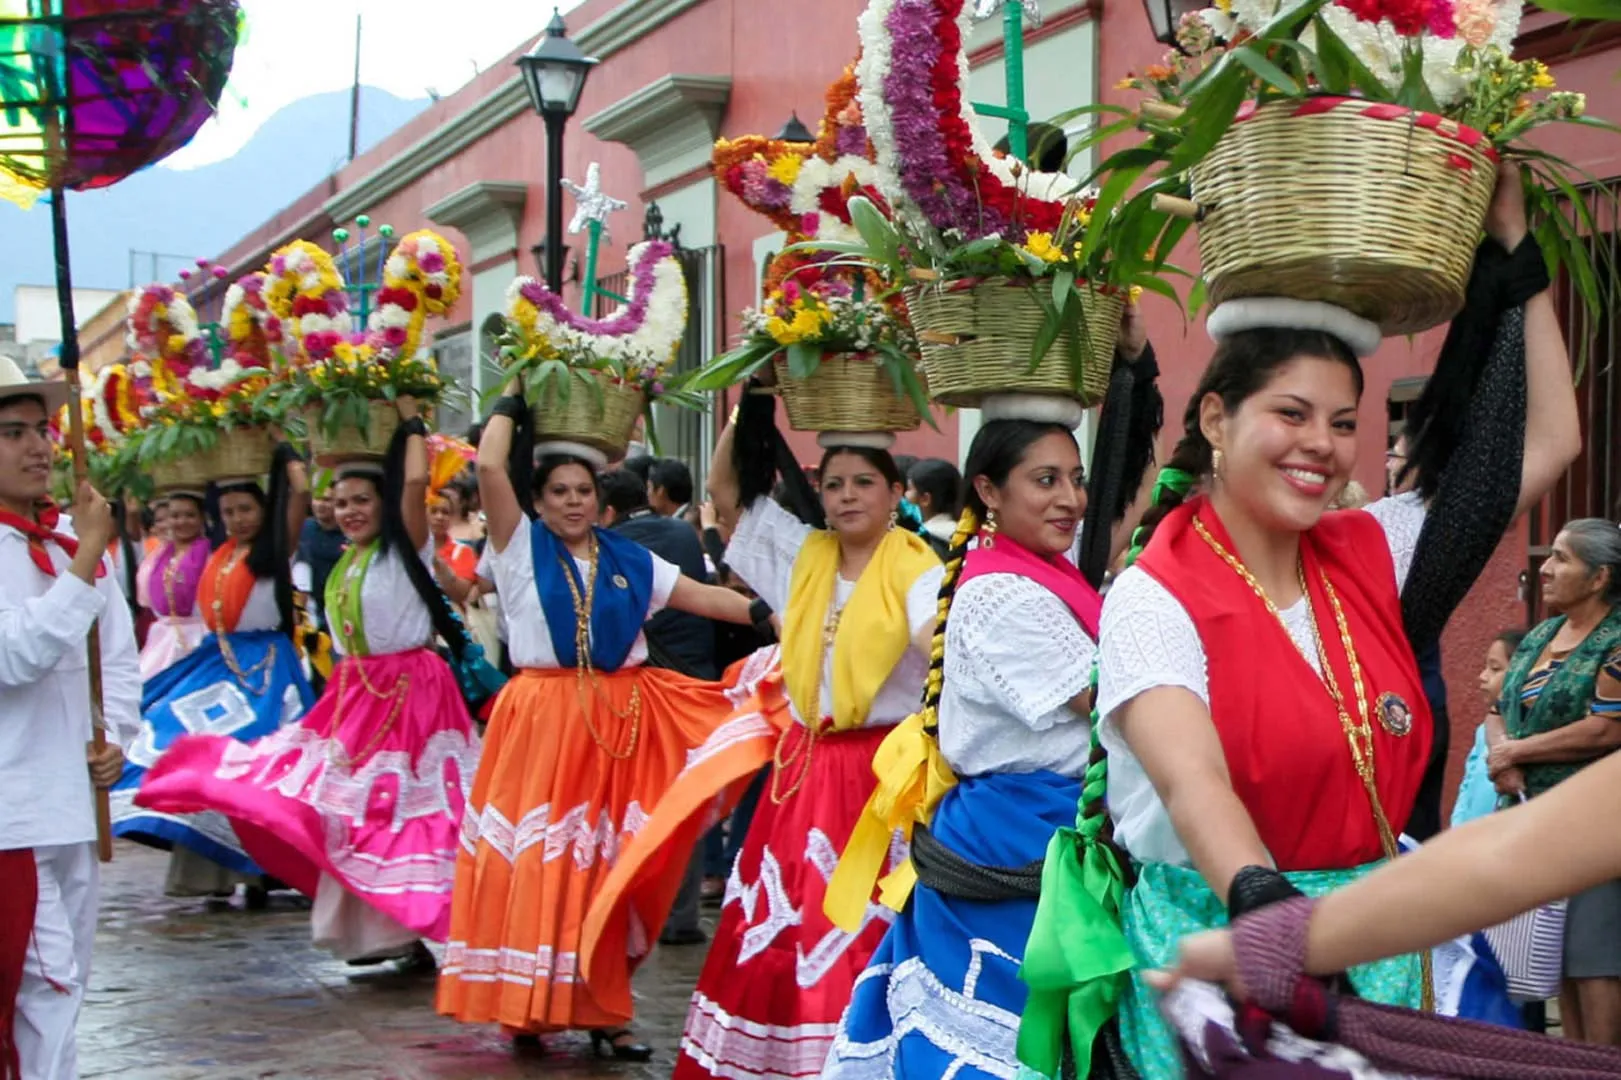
x=628, y=319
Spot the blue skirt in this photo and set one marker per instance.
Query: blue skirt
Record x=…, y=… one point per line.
x=942, y=995
x=200, y=695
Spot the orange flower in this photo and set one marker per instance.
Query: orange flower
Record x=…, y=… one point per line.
x=1158, y=72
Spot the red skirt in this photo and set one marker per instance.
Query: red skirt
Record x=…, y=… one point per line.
x=779, y=973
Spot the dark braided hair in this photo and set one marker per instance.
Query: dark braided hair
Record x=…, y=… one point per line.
x=998, y=447
x=1242, y=365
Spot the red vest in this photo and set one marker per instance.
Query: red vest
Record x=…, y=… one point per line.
x=1286, y=749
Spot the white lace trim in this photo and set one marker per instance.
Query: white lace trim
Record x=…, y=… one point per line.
x=739, y=729
x=1015, y=656
x=732, y=1048
x=975, y=1034
x=572, y=833
x=510, y=965
x=314, y=778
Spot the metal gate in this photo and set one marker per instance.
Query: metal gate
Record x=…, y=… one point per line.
x=1591, y=487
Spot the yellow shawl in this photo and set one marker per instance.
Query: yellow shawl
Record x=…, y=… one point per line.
x=874, y=631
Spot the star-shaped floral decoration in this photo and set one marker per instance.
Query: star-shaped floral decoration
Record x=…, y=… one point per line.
x=985, y=9
x=591, y=203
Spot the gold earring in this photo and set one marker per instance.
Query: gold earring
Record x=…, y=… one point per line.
x=1215, y=462
x=989, y=532
x=894, y=516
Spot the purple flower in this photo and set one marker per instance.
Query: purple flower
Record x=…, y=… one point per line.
x=432, y=263
x=851, y=140
x=622, y=322
x=810, y=222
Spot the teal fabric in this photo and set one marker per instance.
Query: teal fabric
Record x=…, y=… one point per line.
x=1170, y=902
x=1477, y=795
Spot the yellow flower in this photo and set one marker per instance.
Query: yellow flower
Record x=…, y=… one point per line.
x=1128, y=83
x=1541, y=77
x=1135, y=293
x=1040, y=244
x=1225, y=6
x=785, y=169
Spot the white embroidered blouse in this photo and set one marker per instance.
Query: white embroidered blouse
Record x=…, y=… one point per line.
x=395, y=618
x=762, y=552
x=1149, y=640
x=1015, y=656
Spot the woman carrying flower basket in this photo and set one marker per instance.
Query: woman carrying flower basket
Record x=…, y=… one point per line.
x=1264, y=721
x=1000, y=746
x=358, y=804
x=581, y=747
x=171, y=579
x=244, y=681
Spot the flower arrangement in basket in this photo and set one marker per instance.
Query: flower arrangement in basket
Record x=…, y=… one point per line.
x=589, y=380
x=1018, y=277
x=1346, y=151
x=202, y=422
x=112, y=407
x=340, y=381
x=837, y=336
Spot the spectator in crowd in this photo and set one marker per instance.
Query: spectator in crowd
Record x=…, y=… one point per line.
x=935, y=487
x=320, y=545
x=669, y=487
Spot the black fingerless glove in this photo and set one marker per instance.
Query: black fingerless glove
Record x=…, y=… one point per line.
x=1255, y=887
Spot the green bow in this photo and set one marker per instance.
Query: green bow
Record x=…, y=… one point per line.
x=1076, y=954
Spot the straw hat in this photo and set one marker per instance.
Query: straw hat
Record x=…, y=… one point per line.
x=14, y=384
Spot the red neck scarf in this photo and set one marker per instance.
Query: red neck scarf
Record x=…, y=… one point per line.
x=1057, y=575
x=42, y=530
x=1286, y=749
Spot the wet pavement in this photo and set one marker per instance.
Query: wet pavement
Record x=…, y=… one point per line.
x=188, y=990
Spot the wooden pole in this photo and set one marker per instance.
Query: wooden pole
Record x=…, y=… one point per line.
x=81, y=470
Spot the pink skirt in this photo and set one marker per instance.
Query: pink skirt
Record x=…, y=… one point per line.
x=169, y=639
x=367, y=789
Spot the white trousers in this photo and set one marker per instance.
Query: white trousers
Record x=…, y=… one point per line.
x=57, y=969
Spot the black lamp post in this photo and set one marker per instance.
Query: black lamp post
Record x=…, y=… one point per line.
x=1166, y=15
x=795, y=132
x=554, y=73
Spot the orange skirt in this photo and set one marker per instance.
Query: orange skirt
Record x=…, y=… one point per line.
x=569, y=776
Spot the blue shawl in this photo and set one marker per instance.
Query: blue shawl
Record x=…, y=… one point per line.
x=624, y=587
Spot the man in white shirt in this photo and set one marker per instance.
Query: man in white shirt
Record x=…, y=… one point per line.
x=56, y=586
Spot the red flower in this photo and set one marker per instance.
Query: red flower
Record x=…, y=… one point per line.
x=432, y=291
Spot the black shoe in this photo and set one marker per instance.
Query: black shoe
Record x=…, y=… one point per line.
x=527, y=1042
x=620, y=1051
x=256, y=898
x=419, y=961
x=691, y=935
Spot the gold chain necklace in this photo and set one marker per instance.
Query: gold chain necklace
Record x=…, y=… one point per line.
x=780, y=764
x=1358, y=733
x=337, y=754
x=171, y=574
x=583, y=670
x=222, y=633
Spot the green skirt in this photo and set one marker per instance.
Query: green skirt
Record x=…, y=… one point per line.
x=1170, y=902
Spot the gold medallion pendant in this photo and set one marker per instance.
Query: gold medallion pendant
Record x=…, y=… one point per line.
x=1394, y=714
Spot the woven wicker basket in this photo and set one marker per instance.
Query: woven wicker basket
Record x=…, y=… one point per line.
x=606, y=424
x=1347, y=202
x=179, y=474
x=977, y=337
x=847, y=392
x=351, y=444
x=240, y=452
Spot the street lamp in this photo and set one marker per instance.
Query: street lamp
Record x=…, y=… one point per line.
x=1164, y=16
x=795, y=132
x=554, y=73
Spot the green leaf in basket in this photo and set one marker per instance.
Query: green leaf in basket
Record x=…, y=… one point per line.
x=1063, y=285
x=1197, y=296
x=1109, y=195
x=1160, y=287
x=876, y=230
x=1598, y=10
x=1265, y=70
x=735, y=366
x=1051, y=326
x=1078, y=343
x=1337, y=62
x=1218, y=108
x=803, y=359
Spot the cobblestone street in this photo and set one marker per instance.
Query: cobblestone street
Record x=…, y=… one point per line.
x=182, y=990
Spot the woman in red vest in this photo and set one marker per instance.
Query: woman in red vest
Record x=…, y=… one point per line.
x=1258, y=698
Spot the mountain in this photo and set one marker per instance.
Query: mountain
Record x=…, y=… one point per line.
x=195, y=212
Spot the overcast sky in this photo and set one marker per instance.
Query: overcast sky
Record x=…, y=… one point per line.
x=296, y=48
